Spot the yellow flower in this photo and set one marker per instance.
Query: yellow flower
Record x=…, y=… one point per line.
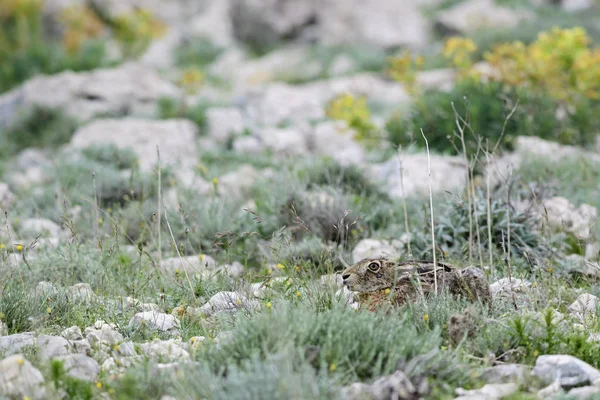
x=268, y=305
x=280, y=266
x=48, y=310
x=387, y=291
x=536, y=353
x=297, y=268
x=550, y=269
x=100, y=221
x=298, y=294
x=426, y=317
x=2, y=246
x=116, y=348
x=20, y=361
x=1, y=315
x=332, y=367
x=19, y=247
x=99, y=385
x=239, y=302
x=215, y=181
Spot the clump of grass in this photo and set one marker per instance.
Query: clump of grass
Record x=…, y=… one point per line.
x=452, y=229
x=171, y=108
x=40, y=127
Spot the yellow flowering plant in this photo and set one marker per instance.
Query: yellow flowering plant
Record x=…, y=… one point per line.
x=355, y=112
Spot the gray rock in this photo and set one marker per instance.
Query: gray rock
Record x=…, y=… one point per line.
x=265, y=22
x=447, y=174
x=176, y=140
x=13, y=344
x=102, y=332
x=569, y=371
x=213, y=24
x=336, y=140
x=505, y=373
x=382, y=24
x=81, y=367
x=40, y=226
x=72, y=333
x=82, y=347
x=372, y=248
x=278, y=103
x=130, y=89
x=469, y=16
x=584, y=393
x=154, y=320
x=19, y=379
x=227, y=302
x=576, y=5
x=239, y=183
x=562, y=214
x=284, y=141
x=45, y=288
x=50, y=347
x=491, y=391
x=584, y=307
x=395, y=386
x=202, y=265
x=81, y=293
x=224, y=122
x=7, y=198
x=165, y=350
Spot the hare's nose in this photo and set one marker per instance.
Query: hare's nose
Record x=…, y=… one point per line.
x=344, y=277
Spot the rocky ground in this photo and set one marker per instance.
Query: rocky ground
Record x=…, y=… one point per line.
x=174, y=225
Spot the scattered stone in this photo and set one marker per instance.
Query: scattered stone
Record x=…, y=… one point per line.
x=562, y=214
x=214, y=24
x=469, y=16
x=584, y=307
x=383, y=24
x=584, y=393
x=266, y=22
x=101, y=333
x=165, y=350
x=441, y=79
x=229, y=302
x=19, y=379
x=576, y=5
x=491, y=391
x=81, y=293
x=72, y=333
x=50, y=347
x=13, y=344
x=176, y=140
x=447, y=175
x=336, y=140
x=239, y=183
x=505, y=373
x=372, y=248
x=202, y=265
x=284, y=141
x=81, y=367
x=224, y=123
x=82, y=347
x=569, y=371
x=154, y=320
x=130, y=89
x=40, y=226
x=395, y=386
x=7, y=198
x=45, y=288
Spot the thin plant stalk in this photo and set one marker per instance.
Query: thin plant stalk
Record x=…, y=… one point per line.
x=406, y=227
x=435, y=283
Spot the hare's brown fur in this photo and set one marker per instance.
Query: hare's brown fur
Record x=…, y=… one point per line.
x=381, y=281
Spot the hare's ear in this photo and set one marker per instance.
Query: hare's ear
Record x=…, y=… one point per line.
x=344, y=263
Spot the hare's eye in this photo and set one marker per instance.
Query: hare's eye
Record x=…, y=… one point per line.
x=374, y=266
